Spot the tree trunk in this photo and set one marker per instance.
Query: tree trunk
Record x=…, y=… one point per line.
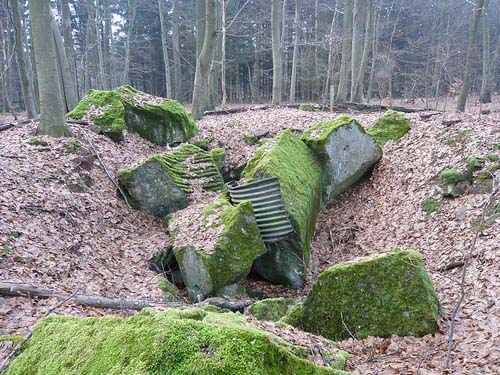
x=131, y=21
x=346, y=52
x=485, y=96
x=200, y=25
x=51, y=102
x=438, y=64
x=68, y=38
x=204, y=62
x=100, y=63
x=21, y=58
x=277, y=56
x=357, y=44
x=164, y=37
x=476, y=15
x=177, y=52
x=295, y=58
x=223, y=56
x=68, y=87
x=5, y=74
x=329, y=83
x=374, y=59
x=106, y=45
x=358, y=91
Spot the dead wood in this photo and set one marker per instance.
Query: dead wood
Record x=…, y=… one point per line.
x=450, y=122
x=9, y=125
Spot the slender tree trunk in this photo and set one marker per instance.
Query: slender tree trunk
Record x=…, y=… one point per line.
x=68, y=87
x=358, y=91
x=295, y=58
x=164, y=39
x=204, y=62
x=68, y=38
x=277, y=55
x=357, y=46
x=329, y=83
x=6, y=59
x=346, y=52
x=98, y=42
x=106, y=45
x=495, y=61
x=22, y=59
x=476, y=15
x=200, y=25
x=132, y=4
x=177, y=52
x=51, y=102
x=374, y=58
x=438, y=63
x=316, y=80
x=485, y=96
x=223, y=57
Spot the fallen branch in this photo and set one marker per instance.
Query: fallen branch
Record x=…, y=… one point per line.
x=7, y=360
x=450, y=122
x=9, y=125
x=426, y=116
x=27, y=290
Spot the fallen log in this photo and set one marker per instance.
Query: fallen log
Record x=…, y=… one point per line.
x=26, y=290
x=426, y=116
x=9, y=125
x=450, y=122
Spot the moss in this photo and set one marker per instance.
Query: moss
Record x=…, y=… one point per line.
x=73, y=145
x=15, y=339
x=219, y=157
x=485, y=111
x=430, y=205
x=15, y=234
x=380, y=295
x=170, y=342
x=37, y=142
x=270, y=309
x=202, y=143
x=299, y=173
x=488, y=173
x=451, y=175
x=250, y=139
x=294, y=315
x=308, y=107
x=493, y=157
x=491, y=215
x=458, y=137
x=496, y=146
x=391, y=126
x=316, y=136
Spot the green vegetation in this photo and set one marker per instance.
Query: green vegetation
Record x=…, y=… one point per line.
x=176, y=341
x=391, y=126
x=37, y=142
x=73, y=145
x=430, y=205
x=15, y=234
x=451, y=175
x=219, y=157
x=270, y=309
x=250, y=139
x=381, y=295
x=458, y=137
x=485, y=111
x=308, y=107
x=493, y=157
x=294, y=315
x=202, y=143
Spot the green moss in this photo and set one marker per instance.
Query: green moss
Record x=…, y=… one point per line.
x=270, y=309
x=299, y=173
x=202, y=143
x=496, y=146
x=485, y=111
x=15, y=234
x=73, y=145
x=391, y=126
x=430, y=205
x=458, y=137
x=380, y=295
x=294, y=315
x=491, y=215
x=493, y=157
x=316, y=136
x=171, y=342
x=451, y=175
x=308, y=107
x=250, y=139
x=37, y=142
x=488, y=173
x=15, y=339
x=219, y=157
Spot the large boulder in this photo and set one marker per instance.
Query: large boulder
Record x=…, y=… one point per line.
x=175, y=341
x=165, y=183
x=346, y=153
x=288, y=159
x=381, y=295
x=272, y=309
x=215, y=246
x=159, y=120
x=392, y=125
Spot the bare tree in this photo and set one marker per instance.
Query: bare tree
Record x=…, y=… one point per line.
x=51, y=102
x=346, y=52
x=277, y=55
x=177, y=52
x=476, y=15
x=131, y=12
x=164, y=39
x=485, y=96
x=296, y=46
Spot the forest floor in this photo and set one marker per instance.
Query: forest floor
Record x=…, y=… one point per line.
x=63, y=227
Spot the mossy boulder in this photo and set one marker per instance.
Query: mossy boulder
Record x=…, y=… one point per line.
x=175, y=341
x=381, y=295
x=454, y=182
x=392, y=125
x=294, y=315
x=215, y=246
x=299, y=172
x=272, y=309
x=346, y=152
x=164, y=183
x=159, y=120
x=308, y=107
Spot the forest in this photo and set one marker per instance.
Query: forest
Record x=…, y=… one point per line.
x=249, y=187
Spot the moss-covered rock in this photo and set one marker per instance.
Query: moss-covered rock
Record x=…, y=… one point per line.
x=308, y=107
x=294, y=315
x=159, y=120
x=455, y=183
x=391, y=126
x=299, y=172
x=270, y=309
x=346, y=153
x=381, y=295
x=176, y=342
x=219, y=157
x=163, y=183
x=215, y=246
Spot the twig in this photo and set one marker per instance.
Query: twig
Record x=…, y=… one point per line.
x=87, y=138
x=346, y=327
x=7, y=360
x=467, y=257
x=12, y=156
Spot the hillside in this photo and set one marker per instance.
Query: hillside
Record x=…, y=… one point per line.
x=63, y=227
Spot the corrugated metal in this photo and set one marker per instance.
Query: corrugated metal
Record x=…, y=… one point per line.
x=269, y=208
